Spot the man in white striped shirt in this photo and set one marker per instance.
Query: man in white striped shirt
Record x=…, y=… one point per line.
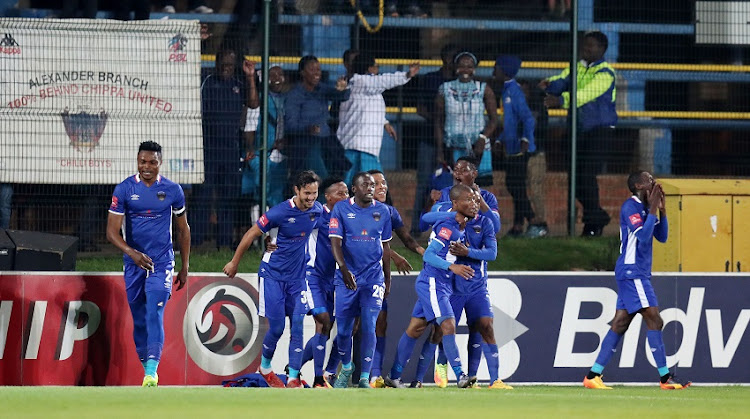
x=362, y=117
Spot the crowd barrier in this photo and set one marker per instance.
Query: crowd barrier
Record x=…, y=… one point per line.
x=75, y=329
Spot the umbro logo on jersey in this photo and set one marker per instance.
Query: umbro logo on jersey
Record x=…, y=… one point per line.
x=292, y=220
x=350, y=216
x=134, y=197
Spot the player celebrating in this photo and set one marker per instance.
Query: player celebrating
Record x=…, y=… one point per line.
x=434, y=288
x=403, y=266
x=639, y=225
x=281, y=276
x=320, y=273
x=146, y=203
x=465, y=173
x=360, y=230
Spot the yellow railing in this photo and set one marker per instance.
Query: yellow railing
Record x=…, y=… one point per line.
x=526, y=64
x=626, y=114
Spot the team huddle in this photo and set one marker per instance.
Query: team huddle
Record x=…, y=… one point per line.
x=342, y=249
x=335, y=259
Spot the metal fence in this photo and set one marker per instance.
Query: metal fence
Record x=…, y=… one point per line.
x=675, y=70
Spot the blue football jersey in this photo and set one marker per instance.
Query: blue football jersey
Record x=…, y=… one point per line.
x=396, y=221
x=291, y=227
x=363, y=232
x=147, y=213
x=444, y=232
x=479, y=234
x=636, y=255
x=320, y=260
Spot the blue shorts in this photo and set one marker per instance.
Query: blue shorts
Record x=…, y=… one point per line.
x=320, y=299
x=476, y=305
x=361, y=162
x=350, y=303
x=433, y=298
x=139, y=281
x=635, y=294
x=278, y=299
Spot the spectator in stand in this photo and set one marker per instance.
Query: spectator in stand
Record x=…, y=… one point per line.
x=537, y=162
x=223, y=101
x=347, y=60
x=306, y=122
x=517, y=139
x=596, y=122
x=459, y=114
x=277, y=165
x=427, y=88
x=194, y=6
x=362, y=117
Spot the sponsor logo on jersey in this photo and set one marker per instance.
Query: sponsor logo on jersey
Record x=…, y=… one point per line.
x=635, y=219
x=263, y=220
x=445, y=233
x=334, y=223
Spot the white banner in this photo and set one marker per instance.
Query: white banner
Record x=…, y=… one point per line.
x=79, y=96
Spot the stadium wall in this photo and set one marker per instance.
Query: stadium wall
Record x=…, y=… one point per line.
x=75, y=328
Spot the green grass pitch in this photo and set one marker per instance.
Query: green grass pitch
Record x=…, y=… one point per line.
x=522, y=402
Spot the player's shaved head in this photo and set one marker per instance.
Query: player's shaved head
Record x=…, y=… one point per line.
x=458, y=190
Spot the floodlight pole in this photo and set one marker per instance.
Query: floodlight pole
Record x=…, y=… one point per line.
x=573, y=118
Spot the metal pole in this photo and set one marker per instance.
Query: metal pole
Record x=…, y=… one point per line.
x=573, y=118
x=264, y=107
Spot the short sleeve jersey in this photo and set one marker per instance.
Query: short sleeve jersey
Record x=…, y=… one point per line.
x=363, y=232
x=292, y=229
x=396, y=221
x=320, y=260
x=147, y=212
x=444, y=232
x=636, y=256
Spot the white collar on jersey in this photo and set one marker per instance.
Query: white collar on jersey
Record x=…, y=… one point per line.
x=138, y=178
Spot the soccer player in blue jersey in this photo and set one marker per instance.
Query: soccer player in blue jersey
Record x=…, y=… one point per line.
x=360, y=229
x=402, y=265
x=471, y=296
x=465, y=173
x=281, y=275
x=639, y=225
x=142, y=208
x=321, y=268
x=434, y=287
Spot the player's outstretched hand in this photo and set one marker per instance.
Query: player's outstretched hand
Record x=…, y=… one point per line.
x=230, y=269
x=402, y=265
x=349, y=280
x=462, y=270
x=181, y=279
x=459, y=249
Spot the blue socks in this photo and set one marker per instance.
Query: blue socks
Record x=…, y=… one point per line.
x=405, y=347
x=656, y=343
x=493, y=360
x=318, y=350
x=333, y=359
x=368, y=318
x=344, y=338
x=295, y=341
x=377, y=358
x=425, y=359
x=475, y=353
x=451, y=352
x=609, y=347
x=275, y=329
